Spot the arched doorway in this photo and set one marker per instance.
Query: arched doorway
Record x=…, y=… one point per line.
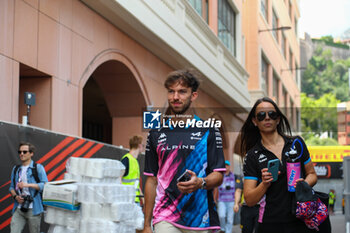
x=97, y=122
x=112, y=104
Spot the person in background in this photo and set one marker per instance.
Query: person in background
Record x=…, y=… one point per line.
x=132, y=169
x=27, y=183
x=332, y=199
x=227, y=204
x=249, y=217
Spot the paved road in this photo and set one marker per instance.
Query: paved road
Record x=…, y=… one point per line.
x=337, y=221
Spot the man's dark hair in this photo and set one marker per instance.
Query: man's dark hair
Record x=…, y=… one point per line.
x=187, y=77
x=30, y=146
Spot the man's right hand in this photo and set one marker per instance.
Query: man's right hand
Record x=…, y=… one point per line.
x=19, y=199
x=236, y=208
x=147, y=229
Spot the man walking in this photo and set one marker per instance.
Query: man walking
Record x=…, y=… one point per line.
x=182, y=203
x=27, y=183
x=226, y=204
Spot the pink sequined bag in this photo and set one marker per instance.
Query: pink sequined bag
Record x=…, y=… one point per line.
x=309, y=207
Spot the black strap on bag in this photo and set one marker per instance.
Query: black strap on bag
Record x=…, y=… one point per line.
x=34, y=173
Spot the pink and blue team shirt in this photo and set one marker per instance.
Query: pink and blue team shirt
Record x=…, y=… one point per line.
x=169, y=152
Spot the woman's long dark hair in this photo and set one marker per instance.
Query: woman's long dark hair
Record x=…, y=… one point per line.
x=250, y=134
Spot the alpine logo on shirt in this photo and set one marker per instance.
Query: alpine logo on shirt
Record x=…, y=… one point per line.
x=196, y=136
x=180, y=147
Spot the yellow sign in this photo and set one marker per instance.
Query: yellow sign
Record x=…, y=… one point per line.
x=328, y=153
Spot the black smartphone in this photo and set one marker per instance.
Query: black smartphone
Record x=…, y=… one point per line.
x=184, y=177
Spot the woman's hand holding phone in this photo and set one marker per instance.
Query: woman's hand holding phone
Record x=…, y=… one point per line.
x=266, y=176
x=273, y=167
x=270, y=174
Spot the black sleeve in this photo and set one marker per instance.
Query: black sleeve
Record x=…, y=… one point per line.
x=151, y=157
x=216, y=160
x=250, y=169
x=125, y=162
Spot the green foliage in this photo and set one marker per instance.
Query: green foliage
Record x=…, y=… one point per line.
x=328, y=39
x=316, y=141
x=325, y=83
x=323, y=75
x=318, y=115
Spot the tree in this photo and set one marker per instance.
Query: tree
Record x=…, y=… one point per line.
x=328, y=39
x=319, y=115
x=316, y=141
x=323, y=75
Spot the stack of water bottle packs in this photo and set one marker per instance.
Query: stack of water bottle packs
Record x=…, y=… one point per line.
x=94, y=170
x=95, y=202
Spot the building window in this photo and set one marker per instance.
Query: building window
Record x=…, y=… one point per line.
x=291, y=60
x=275, y=25
x=275, y=87
x=264, y=8
x=202, y=8
x=290, y=11
x=226, y=25
x=285, y=97
x=296, y=73
x=283, y=45
x=291, y=111
x=297, y=126
x=264, y=75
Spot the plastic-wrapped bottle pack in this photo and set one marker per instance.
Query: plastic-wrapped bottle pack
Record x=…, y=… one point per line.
x=105, y=205
x=94, y=169
x=93, y=225
x=117, y=212
x=105, y=193
x=62, y=217
x=62, y=229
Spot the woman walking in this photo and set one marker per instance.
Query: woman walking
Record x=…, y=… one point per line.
x=265, y=136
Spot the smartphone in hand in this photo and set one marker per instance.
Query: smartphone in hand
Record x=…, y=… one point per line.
x=273, y=167
x=184, y=177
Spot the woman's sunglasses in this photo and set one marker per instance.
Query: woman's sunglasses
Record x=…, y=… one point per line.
x=262, y=115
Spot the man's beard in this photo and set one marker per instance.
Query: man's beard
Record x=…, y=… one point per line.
x=183, y=110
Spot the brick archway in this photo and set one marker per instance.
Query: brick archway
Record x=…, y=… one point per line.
x=112, y=95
